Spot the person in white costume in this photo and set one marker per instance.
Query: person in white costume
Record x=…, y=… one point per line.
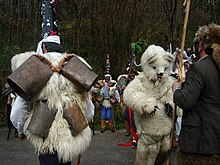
x=149, y=96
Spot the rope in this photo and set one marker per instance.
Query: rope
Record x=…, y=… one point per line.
x=62, y=62
x=51, y=66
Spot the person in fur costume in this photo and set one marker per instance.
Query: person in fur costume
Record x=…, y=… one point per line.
x=53, y=110
x=148, y=95
x=59, y=94
x=199, y=97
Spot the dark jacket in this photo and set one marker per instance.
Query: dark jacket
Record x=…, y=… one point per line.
x=200, y=100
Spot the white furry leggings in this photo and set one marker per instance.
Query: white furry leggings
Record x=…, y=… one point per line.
x=149, y=147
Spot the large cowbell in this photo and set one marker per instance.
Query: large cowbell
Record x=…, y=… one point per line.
x=41, y=119
x=79, y=73
x=29, y=78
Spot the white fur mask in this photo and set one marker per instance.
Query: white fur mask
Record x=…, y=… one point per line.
x=156, y=62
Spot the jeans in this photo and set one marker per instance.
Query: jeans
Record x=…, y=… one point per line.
x=106, y=113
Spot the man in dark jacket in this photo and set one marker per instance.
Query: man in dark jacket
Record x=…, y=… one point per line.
x=199, y=97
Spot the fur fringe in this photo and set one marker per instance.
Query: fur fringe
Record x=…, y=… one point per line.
x=214, y=32
x=210, y=34
x=61, y=140
x=216, y=54
x=106, y=103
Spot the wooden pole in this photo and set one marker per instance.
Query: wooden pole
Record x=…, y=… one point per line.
x=187, y=2
x=93, y=125
x=180, y=68
x=78, y=160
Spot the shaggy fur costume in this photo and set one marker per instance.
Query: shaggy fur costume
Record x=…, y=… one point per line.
x=59, y=93
x=142, y=95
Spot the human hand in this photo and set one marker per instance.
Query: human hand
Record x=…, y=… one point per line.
x=176, y=85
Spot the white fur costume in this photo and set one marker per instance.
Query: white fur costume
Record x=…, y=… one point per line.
x=59, y=93
x=142, y=95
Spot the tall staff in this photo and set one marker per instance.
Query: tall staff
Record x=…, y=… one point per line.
x=180, y=67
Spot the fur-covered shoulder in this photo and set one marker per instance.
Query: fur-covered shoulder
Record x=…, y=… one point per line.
x=214, y=31
x=210, y=34
x=19, y=59
x=216, y=54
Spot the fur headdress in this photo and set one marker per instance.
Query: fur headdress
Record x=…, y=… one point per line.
x=209, y=37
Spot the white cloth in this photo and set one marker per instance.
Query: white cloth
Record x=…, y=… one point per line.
x=178, y=125
x=95, y=90
x=19, y=113
x=55, y=39
x=91, y=107
x=117, y=95
x=114, y=92
x=13, y=98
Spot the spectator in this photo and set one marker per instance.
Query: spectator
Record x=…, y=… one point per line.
x=199, y=97
x=110, y=96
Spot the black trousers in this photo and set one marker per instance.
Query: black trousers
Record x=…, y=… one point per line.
x=51, y=159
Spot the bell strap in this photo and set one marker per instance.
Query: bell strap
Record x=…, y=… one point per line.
x=52, y=67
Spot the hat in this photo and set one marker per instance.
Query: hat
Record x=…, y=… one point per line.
x=107, y=75
x=54, y=39
x=107, y=64
x=49, y=25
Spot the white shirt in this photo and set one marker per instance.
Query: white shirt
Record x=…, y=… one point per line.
x=19, y=113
